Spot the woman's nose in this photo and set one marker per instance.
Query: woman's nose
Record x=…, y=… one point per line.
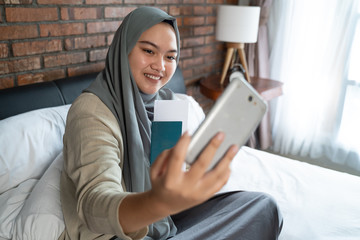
x=158, y=64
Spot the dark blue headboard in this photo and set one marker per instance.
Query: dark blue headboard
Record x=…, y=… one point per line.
x=63, y=91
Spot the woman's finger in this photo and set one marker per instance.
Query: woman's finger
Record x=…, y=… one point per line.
x=202, y=163
x=216, y=178
x=178, y=154
x=160, y=164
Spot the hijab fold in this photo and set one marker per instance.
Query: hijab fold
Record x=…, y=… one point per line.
x=133, y=109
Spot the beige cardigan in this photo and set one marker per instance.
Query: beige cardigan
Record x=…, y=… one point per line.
x=92, y=186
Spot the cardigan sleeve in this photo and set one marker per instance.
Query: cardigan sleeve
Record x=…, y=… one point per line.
x=93, y=150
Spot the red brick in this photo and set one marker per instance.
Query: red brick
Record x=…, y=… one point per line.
x=204, y=10
x=193, y=62
x=80, y=13
x=179, y=22
x=193, y=1
x=25, y=79
x=101, y=27
x=99, y=54
x=139, y=1
x=220, y=2
x=168, y=1
x=118, y=12
x=31, y=14
x=88, y=68
x=219, y=46
x=214, y=58
x=85, y=42
x=201, y=70
x=164, y=8
x=64, y=59
x=185, y=32
x=204, y=50
x=103, y=1
x=174, y=11
x=18, y=32
x=210, y=20
x=15, y=2
x=180, y=10
x=6, y=82
x=19, y=65
x=205, y=30
x=191, y=21
x=4, y=50
x=186, y=53
x=36, y=47
x=187, y=73
x=64, y=29
x=211, y=39
x=59, y=2
x=186, y=10
x=191, y=42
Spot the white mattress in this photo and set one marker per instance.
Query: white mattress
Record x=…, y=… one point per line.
x=316, y=203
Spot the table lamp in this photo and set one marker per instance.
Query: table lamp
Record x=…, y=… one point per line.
x=236, y=25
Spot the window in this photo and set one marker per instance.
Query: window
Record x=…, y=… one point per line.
x=349, y=131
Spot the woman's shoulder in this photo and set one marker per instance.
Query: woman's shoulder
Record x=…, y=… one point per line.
x=89, y=105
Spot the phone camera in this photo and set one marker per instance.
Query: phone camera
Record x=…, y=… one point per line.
x=250, y=98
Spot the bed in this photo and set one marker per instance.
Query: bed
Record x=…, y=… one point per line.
x=316, y=203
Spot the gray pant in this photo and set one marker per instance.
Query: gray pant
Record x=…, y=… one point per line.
x=233, y=215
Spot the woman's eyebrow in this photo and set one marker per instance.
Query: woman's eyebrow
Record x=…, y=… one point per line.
x=156, y=46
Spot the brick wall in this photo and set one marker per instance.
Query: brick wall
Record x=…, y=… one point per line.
x=43, y=40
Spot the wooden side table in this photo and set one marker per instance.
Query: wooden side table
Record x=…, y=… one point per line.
x=267, y=88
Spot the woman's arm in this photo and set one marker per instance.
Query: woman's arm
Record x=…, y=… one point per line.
x=174, y=190
x=94, y=189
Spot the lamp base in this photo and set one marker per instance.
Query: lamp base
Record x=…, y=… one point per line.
x=232, y=48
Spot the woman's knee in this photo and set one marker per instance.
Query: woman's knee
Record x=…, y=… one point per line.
x=263, y=208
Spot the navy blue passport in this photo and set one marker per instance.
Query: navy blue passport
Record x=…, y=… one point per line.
x=164, y=135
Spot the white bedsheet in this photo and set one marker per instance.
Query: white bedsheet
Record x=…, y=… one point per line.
x=316, y=203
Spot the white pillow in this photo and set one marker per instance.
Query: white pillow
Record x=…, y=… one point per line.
x=196, y=113
x=29, y=143
x=41, y=217
x=11, y=203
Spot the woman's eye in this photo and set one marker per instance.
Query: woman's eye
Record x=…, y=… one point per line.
x=148, y=51
x=171, y=58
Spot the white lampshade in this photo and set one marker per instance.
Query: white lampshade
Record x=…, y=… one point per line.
x=238, y=24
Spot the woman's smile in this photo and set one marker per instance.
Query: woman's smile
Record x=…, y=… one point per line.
x=153, y=77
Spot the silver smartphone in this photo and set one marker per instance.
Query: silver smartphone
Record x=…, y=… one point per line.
x=237, y=113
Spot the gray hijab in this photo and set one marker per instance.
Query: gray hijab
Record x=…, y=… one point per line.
x=133, y=109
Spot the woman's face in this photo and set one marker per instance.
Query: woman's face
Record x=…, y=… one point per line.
x=153, y=58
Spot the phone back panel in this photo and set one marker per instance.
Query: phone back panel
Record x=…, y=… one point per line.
x=237, y=113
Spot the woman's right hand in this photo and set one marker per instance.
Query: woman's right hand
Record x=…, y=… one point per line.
x=174, y=190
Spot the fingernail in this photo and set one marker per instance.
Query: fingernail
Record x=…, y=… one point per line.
x=234, y=149
x=220, y=136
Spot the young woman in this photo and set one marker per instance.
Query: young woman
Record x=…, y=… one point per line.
x=109, y=190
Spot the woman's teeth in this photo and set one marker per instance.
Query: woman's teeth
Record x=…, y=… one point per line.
x=152, y=76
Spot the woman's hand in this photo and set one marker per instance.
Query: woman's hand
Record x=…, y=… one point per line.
x=174, y=190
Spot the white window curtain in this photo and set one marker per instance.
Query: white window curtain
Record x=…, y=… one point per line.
x=309, y=43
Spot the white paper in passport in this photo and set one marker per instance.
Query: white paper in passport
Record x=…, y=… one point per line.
x=172, y=110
